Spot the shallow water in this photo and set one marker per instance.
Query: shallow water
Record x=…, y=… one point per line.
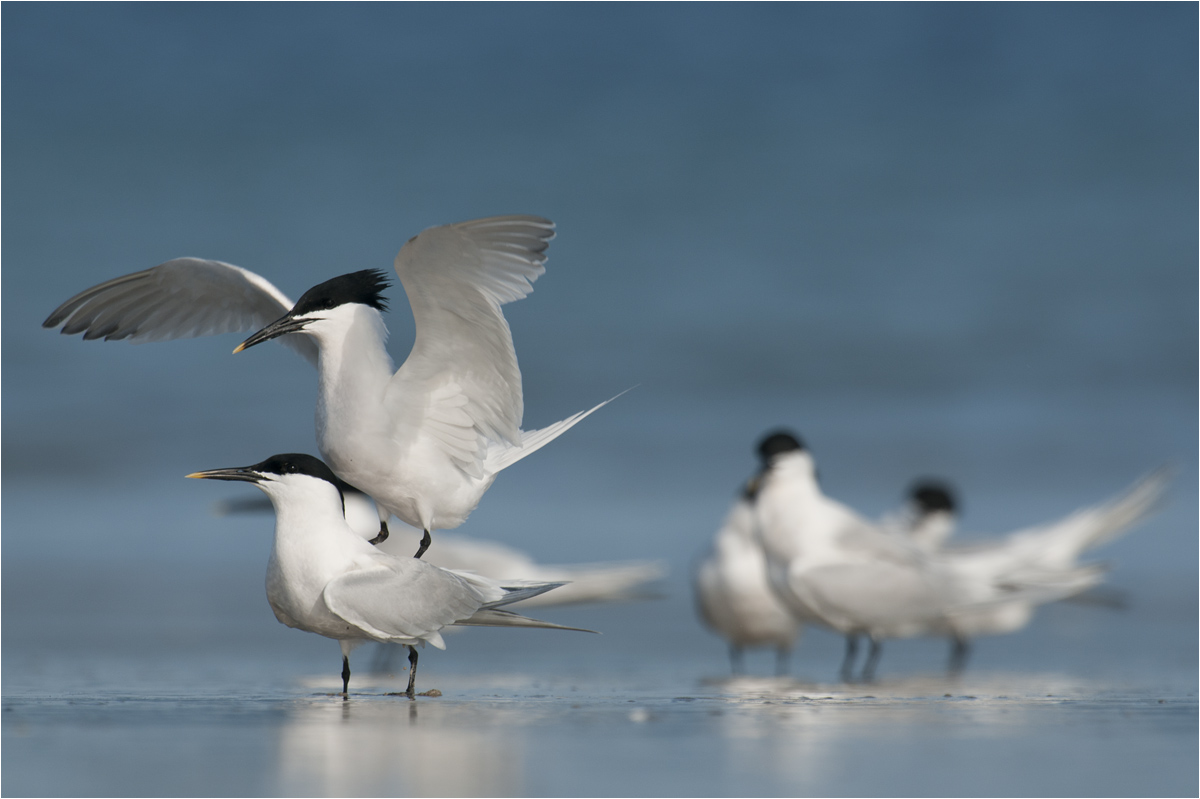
x=1072, y=706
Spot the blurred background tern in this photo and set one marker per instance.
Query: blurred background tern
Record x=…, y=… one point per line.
x=832, y=566
x=733, y=595
x=929, y=518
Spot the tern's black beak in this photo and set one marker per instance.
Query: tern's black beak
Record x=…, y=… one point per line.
x=282, y=326
x=241, y=474
x=750, y=490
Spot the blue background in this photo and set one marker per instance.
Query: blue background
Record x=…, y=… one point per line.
x=935, y=239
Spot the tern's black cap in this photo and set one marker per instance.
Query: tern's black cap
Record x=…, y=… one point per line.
x=777, y=442
x=365, y=287
x=933, y=495
x=297, y=463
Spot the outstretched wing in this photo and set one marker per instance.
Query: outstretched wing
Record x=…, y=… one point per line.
x=182, y=298
x=404, y=598
x=461, y=378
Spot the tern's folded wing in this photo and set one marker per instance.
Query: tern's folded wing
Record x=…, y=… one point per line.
x=409, y=599
x=875, y=595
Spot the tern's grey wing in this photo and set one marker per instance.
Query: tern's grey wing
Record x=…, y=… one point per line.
x=403, y=598
x=182, y=298
x=462, y=374
x=859, y=537
x=876, y=596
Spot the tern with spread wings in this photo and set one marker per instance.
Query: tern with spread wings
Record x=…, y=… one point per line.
x=425, y=441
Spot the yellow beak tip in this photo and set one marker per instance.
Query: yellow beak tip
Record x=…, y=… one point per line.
x=238, y=348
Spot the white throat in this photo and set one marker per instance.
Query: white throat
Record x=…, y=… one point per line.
x=786, y=505
x=304, y=506
x=354, y=370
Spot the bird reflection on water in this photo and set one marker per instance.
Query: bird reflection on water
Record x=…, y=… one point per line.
x=364, y=747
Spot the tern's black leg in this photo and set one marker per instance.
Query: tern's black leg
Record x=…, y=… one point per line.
x=425, y=542
x=868, y=672
x=959, y=649
x=847, y=670
x=412, y=671
x=781, y=661
x=345, y=676
x=735, y=658
x=383, y=534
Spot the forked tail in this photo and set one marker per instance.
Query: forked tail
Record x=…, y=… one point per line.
x=501, y=456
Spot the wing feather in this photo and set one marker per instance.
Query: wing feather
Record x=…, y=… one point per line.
x=182, y=298
x=457, y=277
x=403, y=598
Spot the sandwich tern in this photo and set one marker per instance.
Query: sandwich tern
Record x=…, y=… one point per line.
x=324, y=578
x=832, y=566
x=425, y=441
x=1054, y=548
x=733, y=595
